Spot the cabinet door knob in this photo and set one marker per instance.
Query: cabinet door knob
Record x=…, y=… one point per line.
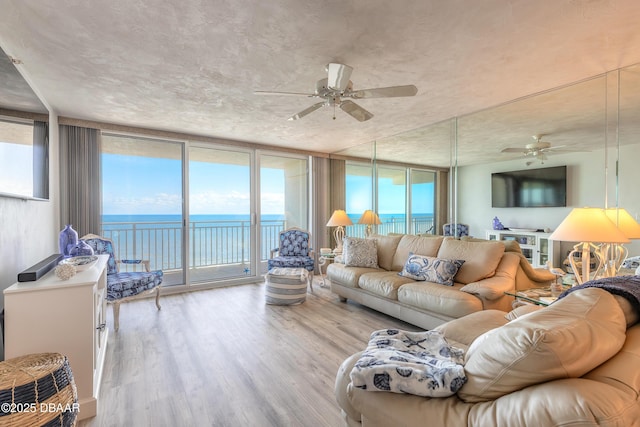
x=101, y=326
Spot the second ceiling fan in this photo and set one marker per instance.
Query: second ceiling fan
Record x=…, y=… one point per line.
x=337, y=86
x=538, y=150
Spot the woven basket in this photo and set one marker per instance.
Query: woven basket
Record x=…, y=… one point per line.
x=37, y=390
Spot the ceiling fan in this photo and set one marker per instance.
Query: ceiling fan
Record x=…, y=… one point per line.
x=538, y=150
x=336, y=87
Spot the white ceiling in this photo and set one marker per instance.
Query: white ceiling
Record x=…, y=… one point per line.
x=191, y=66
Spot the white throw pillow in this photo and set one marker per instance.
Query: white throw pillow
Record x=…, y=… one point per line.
x=358, y=252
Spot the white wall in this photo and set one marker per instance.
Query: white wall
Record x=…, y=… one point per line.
x=586, y=179
x=29, y=229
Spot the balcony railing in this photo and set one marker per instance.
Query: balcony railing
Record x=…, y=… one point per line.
x=216, y=243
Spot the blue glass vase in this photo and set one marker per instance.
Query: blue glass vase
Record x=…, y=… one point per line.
x=67, y=239
x=80, y=249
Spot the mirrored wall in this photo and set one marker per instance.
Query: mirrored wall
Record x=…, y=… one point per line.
x=592, y=127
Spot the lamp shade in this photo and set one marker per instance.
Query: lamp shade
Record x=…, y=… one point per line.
x=369, y=217
x=624, y=221
x=588, y=225
x=339, y=218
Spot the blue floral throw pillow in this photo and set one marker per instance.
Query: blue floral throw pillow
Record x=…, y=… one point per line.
x=431, y=269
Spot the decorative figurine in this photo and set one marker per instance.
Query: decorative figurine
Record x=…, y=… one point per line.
x=497, y=225
x=65, y=271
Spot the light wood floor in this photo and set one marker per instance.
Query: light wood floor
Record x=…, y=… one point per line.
x=223, y=357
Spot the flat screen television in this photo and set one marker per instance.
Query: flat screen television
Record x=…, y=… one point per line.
x=530, y=188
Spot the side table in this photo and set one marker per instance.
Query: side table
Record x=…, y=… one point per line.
x=538, y=296
x=322, y=261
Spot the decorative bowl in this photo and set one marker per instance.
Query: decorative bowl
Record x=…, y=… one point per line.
x=82, y=262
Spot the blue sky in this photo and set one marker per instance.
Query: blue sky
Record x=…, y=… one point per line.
x=137, y=185
x=16, y=168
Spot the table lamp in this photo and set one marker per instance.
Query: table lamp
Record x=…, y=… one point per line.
x=369, y=218
x=339, y=219
x=591, y=227
x=617, y=252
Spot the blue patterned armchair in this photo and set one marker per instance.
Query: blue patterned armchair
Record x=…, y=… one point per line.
x=124, y=286
x=294, y=251
x=460, y=229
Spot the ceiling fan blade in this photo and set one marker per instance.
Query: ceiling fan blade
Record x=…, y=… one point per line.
x=355, y=111
x=384, y=92
x=306, y=111
x=514, y=150
x=266, y=92
x=338, y=76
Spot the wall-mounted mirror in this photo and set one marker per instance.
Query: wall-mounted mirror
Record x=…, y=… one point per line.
x=576, y=125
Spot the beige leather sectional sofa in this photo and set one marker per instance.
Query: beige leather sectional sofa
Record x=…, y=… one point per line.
x=488, y=271
x=574, y=363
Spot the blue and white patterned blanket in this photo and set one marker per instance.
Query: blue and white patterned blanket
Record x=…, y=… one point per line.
x=420, y=363
x=625, y=286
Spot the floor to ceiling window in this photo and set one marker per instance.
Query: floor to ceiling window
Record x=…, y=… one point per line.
x=284, y=198
x=237, y=202
x=220, y=227
x=423, y=201
x=392, y=199
x=359, y=195
x=401, y=208
x=142, y=209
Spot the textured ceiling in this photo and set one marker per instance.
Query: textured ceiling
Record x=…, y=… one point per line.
x=191, y=66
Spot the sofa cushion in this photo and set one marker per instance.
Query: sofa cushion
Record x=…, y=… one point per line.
x=415, y=244
x=347, y=276
x=386, y=249
x=360, y=252
x=431, y=269
x=445, y=300
x=509, y=245
x=383, y=283
x=480, y=259
x=565, y=340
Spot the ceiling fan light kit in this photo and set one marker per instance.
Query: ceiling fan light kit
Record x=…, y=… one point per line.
x=538, y=150
x=338, y=86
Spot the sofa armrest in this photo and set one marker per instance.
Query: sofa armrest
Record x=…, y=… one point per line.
x=572, y=401
x=489, y=289
x=343, y=379
x=529, y=277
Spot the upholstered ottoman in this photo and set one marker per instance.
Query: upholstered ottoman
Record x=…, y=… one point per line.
x=286, y=286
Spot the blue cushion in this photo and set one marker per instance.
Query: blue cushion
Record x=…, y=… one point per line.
x=122, y=285
x=291, y=262
x=294, y=243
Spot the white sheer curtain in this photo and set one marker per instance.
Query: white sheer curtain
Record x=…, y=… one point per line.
x=80, y=189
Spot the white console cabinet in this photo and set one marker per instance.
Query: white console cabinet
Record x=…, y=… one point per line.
x=50, y=315
x=536, y=246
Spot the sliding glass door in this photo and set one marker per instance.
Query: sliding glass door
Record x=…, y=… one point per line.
x=237, y=201
x=221, y=225
x=142, y=202
x=423, y=201
x=284, y=199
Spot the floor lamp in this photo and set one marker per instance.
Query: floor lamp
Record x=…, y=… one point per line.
x=369, y=218
x=339, y=219
x=591, y=227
